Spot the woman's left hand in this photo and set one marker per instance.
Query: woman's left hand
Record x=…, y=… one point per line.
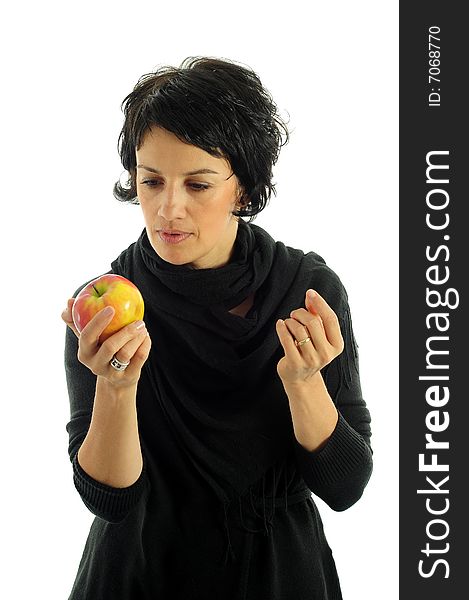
x=317, y=328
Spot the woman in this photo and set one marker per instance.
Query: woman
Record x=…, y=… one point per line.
x=198, y=435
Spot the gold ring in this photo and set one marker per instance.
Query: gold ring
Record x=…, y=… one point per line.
x=301, y=342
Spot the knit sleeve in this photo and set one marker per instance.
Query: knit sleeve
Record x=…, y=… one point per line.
x=340, y=470
x=108, y=503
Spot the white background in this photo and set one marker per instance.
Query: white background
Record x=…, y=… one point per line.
x=332, y=67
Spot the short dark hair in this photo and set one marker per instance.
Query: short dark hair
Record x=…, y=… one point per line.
x=214, y=104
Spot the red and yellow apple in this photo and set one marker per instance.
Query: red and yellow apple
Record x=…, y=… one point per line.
x=108, y=290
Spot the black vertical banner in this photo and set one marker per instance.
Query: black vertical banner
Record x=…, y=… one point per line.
x=434, y=328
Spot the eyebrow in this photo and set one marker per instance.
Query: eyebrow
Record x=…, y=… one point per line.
x=196, y=172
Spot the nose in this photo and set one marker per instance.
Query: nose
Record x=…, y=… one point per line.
x=172, y=204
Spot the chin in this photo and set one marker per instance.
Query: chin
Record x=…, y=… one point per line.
x=174, y=261
x=168, y=254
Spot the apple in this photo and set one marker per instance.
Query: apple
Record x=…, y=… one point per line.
x=108, y=290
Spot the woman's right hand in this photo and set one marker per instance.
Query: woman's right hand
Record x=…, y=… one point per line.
x=131, y=344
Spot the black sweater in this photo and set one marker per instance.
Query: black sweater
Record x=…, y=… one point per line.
x=275, y=532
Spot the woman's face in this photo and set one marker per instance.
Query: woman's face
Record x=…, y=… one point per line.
x=173, y=197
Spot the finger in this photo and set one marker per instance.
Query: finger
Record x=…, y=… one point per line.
x=127, y=351
x=330, y=321
x=313, y=325
x=67, y=312
x=296, y=329
x=136, y=362
x=67, y=316
x=315, y=331
x=309, y=348
x=304, y=316
x=140, y=356
x=116, y=342
x=287, y=341
x=94, y=328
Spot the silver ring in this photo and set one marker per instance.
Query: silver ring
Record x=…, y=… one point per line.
x=118, y=365
x=301, y=342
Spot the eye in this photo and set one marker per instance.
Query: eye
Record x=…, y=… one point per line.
x=151, y=182
x=199, y=187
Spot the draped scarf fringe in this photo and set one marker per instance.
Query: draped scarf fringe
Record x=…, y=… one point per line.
x=266, y=517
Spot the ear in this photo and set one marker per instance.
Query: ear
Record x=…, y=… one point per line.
x=242, y=201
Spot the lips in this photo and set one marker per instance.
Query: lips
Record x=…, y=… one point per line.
x=173, y=236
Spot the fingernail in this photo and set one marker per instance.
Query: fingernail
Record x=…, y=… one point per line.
x=139, y=324
x=311, y=293
x=108, y=311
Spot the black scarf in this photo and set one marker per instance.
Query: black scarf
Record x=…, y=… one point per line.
x=213, y=373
